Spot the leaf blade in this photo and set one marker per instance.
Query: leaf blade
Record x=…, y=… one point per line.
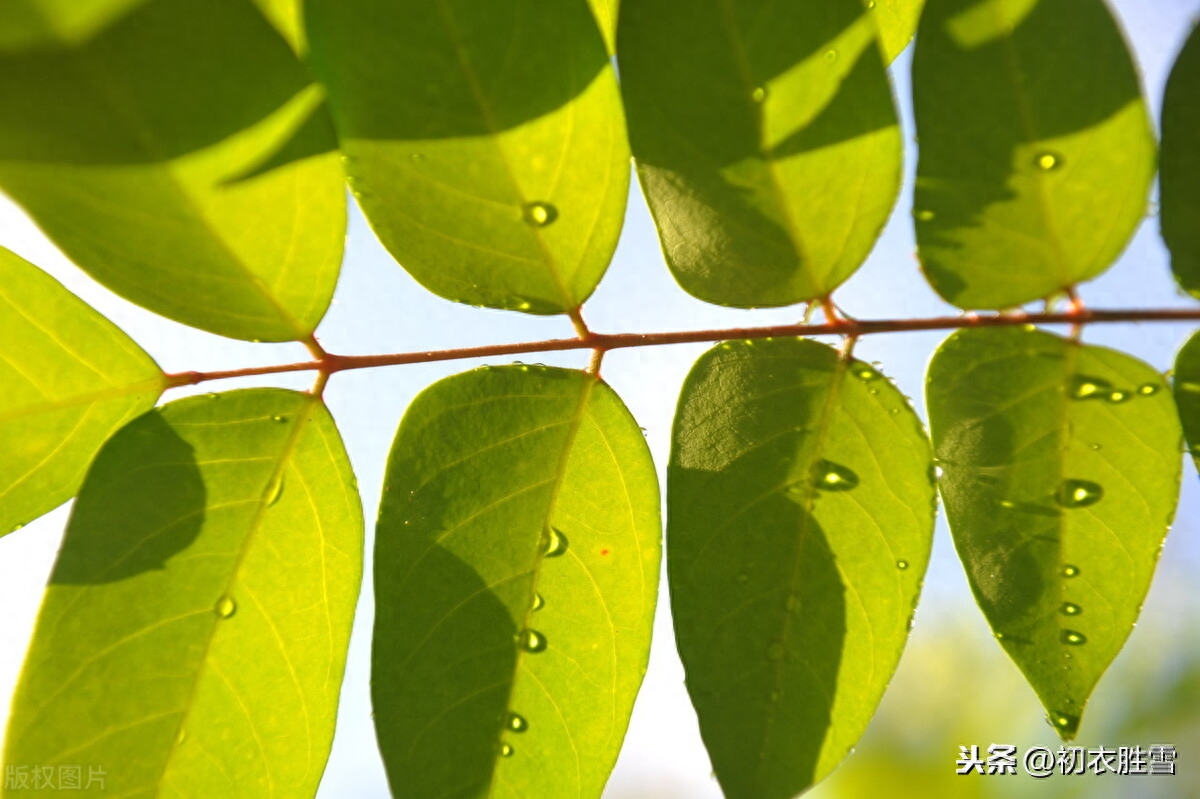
x=516, y=572
x=769, y=150
x=195, y=626
x=502, y=179
x=125, y=147
x=1180, y=166
x=799, y=493
x=1061, y=153
x=69, y=378
x=1061, y=474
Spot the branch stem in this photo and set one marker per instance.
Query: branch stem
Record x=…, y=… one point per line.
x=329, y=363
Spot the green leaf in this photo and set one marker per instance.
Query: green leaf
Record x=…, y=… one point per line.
x=1186, y=383
x=606, y=17
x=1036, y=153
x=1061, y=474
x=69, y=378
x=485, y=142
x=800, y=516
x=193, y=635
x=766, y=141
x=516, y=574
x=897, y=21
x=1179, y=181
x=288, y=19
x=124, y=134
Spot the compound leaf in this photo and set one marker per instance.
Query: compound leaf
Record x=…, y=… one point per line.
x=69, y=378
x=1179, y=179
x=132, y=134
x=193, y=635
x=1061, y=474
x=800, y=516
x=766, y=141
x=516, y=572
x=485, y=142
x=1036, y=153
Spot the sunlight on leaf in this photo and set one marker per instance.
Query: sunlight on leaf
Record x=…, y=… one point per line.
x=193, y=635
x=485, y=142
x=766, y=141
x=897, y=21
x=516, y=573
x=123, y=145
x=801, y=505
x=1061, y=475
x=1036, y=153
x=68, y=379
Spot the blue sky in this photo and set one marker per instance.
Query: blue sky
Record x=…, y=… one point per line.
x=378, y=308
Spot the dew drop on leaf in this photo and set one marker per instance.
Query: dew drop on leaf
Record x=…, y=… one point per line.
x=1078, y=493
x=279, y=419
x=517, y=723
x=759, y=94
x=538, y=602
x=1119, y=396
x=539, y=214
x=532, y=641
x=225, y=608
x=830, y=476
x=506, y=751
x=1072, y=638
x=556, y=543
x=274, y=490
x=1065, y=723
x=1070, y=571
x=831, y=55
x=1070, y=609
x=1047, y=161
x=902, y=565
x=1148, y=389
x=1088, y=387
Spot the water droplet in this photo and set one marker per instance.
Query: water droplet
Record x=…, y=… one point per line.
x=17, y=527
x=1005, y=503
x=829, y=476
x=1148, y=389
x=532, y=641
x=1119, y=396
x=1069, y=571
x=1070, y=609
x=1096, y=446
x=759, y=94
x=279, y=419
x=556, y=543
x=939, y=472
x=1065, y=724
x=225, y=608
x=517, y=723
x=924, y=215
x=538, y=602
x=1047, y=161
x=865, y=373
x=506, y=751
x=902, y=565
x=775, y=651
x=831, y=55
x=212, y=395
x=274, y=490
x=870, y=5
x=1072, y=638
x=539, y=214
x=1078, y=493
x=1088, y=388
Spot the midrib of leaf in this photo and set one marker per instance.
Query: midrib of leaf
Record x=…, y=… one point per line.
x=810, y=496
x=555, y=488
x=1012, y=63
x=108, y=90
x=83, y=399
x=748, y=87
x=205, y=661
x=485, y=111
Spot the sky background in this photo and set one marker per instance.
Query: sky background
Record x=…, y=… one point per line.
x=954, y=681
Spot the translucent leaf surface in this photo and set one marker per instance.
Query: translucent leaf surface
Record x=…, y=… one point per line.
x=1187, y=393
x=1179, y=179
x=766, y=141
x=485, y=142
x=800, y=516
x=68, y=379
x=897, y=21
x=1036, y=154
x=606, y=18
x=1061, y=474
x=134, y=140
x=516, y=572
x=193, y=635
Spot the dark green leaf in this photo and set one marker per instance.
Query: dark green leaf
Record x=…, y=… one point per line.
x=1061, y=473
x=1036, y=154
x=516, y=572
x=766, y=141
x=484, y=141
x=606, y=18
x=1180, y=164
x=193, y=635
x=801, y=505
x=124, y=133
x=68, y=379
x=1187, y=393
